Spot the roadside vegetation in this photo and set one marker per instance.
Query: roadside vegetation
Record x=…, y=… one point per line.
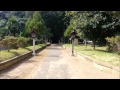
x=102, y=28
x=5, y=55
x=99, y=54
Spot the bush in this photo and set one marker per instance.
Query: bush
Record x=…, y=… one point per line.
x=10, y=42
x=113, y=44
x=22, y=42
x=30, y=41
x=117, y=41
x=0, y=44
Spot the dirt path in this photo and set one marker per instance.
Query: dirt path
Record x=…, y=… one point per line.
x=55, y=62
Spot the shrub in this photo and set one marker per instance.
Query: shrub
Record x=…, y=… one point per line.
x=117, y=41
x=10, y=42
x=113, y=44
x=30, y=41
x=0, y=44
x=22, y=42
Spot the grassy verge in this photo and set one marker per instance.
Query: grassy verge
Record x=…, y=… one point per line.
x=5, y=55
x=100, y=54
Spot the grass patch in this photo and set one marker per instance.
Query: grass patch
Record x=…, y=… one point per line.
x=100, y=54
x=5, y=55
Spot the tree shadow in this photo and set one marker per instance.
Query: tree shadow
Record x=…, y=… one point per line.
x=86, y=49
x=103, y=51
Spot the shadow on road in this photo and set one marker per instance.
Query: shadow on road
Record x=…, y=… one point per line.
x=15, y=65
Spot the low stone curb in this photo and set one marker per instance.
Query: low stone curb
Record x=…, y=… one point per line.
x=101, y=65
x=5, y=64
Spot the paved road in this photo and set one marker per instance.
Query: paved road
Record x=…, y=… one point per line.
x=55, y=62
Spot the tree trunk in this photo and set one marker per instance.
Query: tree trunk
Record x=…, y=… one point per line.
x=94, y=41
x=14, y=34
x=94, y=46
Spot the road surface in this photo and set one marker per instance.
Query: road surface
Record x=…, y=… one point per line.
x=55, y=62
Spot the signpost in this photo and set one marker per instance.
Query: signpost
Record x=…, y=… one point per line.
x=33, y=34
x=72, y=37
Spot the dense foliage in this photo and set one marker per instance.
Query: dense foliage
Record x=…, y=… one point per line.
x=54, y=25
x=11, y=42
x=57, y=22
x=94, y=25
x=113, y=44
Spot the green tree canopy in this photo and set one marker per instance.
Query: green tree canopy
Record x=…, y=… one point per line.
x=34, y=23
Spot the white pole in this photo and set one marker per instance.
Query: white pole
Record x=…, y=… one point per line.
x=72, y=47
x=34, y=47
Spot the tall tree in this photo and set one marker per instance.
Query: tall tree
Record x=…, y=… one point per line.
x=94, y=25
x=13, y=26
x=56, y=21
x=34, y=23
